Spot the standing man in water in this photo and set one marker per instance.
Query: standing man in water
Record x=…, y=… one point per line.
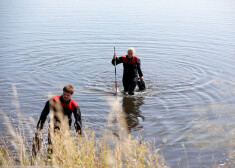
x=61, y=108
x=131, y=65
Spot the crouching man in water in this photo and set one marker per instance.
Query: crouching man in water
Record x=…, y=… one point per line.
x=60, y=108
x=131, y=69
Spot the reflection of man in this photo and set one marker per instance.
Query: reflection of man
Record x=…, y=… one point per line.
x=131, y=109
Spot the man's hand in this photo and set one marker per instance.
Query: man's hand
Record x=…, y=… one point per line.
x=79, y=132
x=141, y=78
x=37, y=133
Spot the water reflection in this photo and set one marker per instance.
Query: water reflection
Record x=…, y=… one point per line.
x=131, y=109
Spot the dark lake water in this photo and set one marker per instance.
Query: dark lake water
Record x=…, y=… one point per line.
x=187, y=50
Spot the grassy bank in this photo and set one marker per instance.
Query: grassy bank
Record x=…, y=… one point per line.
x=87, y=151
x=115, y=148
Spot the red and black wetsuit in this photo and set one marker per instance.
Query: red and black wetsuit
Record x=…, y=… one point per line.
x=130, y=72
x=69, y=107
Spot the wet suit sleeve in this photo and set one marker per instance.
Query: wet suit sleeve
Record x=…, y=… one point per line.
x=139, y=68
x=78, y=121
x=118, y=60
x=43, y=116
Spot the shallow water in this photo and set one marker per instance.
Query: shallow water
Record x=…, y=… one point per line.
x=187, y=52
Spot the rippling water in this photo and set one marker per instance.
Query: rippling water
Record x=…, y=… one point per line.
x=187, y=49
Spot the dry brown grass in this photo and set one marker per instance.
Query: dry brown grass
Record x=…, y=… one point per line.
x=89, y=151
x=116, y=148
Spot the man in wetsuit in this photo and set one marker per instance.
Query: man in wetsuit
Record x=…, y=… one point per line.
x=131, y=65
x=61, y=108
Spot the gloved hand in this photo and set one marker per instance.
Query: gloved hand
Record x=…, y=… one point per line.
x=79, y=132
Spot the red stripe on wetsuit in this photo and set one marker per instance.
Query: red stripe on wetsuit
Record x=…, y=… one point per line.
x=71, y=105
x=133, y=60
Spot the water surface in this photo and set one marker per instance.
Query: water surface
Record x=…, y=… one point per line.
x=187, y=52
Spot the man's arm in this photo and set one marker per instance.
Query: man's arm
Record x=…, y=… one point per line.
x=43, y=117
x=118, y=60
x=78, y=121
x=139, y=70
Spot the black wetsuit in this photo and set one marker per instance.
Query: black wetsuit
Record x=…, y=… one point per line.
x=130, y=72
x=69, y=107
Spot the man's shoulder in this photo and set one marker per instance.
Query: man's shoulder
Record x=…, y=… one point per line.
x=135, y=57
x=54, y=98
x=74, y=103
